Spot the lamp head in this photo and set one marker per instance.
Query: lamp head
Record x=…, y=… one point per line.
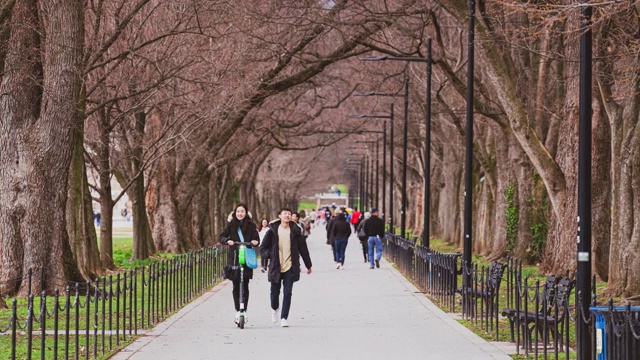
x=374, y=58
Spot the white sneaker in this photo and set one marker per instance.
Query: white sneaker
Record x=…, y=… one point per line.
x=274, y=316
x=342, y=267
x=246, y=317
x=237, y=319
x=284, y=323
x=338, y=266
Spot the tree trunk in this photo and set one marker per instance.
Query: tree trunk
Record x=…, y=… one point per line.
x=40, y=86
x=624, y=263
x=601, y=192
x=143, y=246
x=80, y=222
x=106, y=201
x=164, y=220
x=502, y=167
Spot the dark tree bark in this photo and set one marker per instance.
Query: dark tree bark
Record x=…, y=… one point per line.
x=41, y=87
x=80, y=221
x=103, y=150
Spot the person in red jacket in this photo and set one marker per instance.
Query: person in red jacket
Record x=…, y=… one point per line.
x=355, y=219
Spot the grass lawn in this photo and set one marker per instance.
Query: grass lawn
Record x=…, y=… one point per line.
x=307, y=206
x=114, y=314
x=530, y=274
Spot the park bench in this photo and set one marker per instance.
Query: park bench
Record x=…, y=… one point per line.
x=487, y=290
x=550, y=309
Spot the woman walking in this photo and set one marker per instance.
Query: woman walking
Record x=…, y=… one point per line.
x=240, y=228
x=341, y=230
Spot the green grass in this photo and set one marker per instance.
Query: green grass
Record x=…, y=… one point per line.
x=22, y=347
x=122, y=252
x=342, y=188
x=532, y=274
x=306, y=206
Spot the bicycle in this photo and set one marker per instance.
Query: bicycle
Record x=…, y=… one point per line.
x=241, y=261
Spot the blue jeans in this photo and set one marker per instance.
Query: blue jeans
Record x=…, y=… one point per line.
x=341, y=247
x=286, y=278
x=376, y=242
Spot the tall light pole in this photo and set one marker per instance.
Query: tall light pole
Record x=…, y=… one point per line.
x=468, y=175
x=377, y=170
x=427, y=187
x=583, y=275
x=391, y=146
x=373, y=93
x=427, y=155
x=403, y=211
x=403, y=204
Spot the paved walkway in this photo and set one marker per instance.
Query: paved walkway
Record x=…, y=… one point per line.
x=355, y=313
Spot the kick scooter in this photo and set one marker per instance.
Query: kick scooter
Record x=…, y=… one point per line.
x=241, y=260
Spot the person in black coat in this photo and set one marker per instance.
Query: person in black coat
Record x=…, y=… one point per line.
x=240, y=223
x=282, y=247
x=374, y=229
x=340, y=231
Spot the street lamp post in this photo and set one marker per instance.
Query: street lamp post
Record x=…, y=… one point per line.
x=403, y=204
x=391, y=145
x=583, y=274
x=427, y=155
x=374, y=183
x=427, y=188
x=403, y=208
x=468, y=176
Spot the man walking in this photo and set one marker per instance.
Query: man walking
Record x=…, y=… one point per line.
x=282, y=247
x=374, y=230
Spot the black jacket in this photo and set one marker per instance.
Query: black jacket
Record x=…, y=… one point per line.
x=329, y=227
x=374, y=226
x=269, y=251
x=341, y=228
x=230, y=232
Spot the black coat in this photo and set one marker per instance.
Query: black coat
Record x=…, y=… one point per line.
x=329, y=227
x=269, y=251
x=374, y=226
x=341, y=228
x=230, y=232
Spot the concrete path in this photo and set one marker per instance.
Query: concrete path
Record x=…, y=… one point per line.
x=357, y=313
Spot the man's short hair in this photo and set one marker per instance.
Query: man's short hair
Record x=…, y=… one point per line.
x=285, y=209
x=296, y=214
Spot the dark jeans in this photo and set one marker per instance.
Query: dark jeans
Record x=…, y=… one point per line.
x=333, y=251
x=365, y=248
x=286, y=279
x=341, y=247
x=236, y=294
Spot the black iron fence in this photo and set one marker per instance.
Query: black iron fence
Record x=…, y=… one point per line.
x=87, y=320
x=537, y=315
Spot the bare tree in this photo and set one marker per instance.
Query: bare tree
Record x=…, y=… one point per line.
x=41, y=78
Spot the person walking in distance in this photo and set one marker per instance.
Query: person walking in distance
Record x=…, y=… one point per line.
x=374, y=230
x=240, y=228
x=282, y=247
x=340, y=231
x=355, y=219
x=264, y=226
x=331, y=240
x=364, y=240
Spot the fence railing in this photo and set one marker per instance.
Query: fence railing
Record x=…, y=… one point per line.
x=87, y=320
x=538, y=316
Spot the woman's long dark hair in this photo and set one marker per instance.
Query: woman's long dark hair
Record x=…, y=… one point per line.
x=246, y=222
